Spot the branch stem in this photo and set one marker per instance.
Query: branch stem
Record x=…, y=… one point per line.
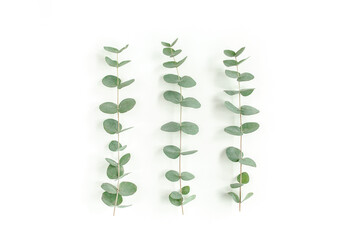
x=240, y=143
x=118, y=134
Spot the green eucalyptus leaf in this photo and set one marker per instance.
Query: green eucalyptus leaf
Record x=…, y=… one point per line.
x=232, y=107
x=172, y=176
x=111, y=62
x=124, y=206
x=187, y=82
x=166, y=44
x=233, y=154
x=108, y=107
x=173, y=64
x=111, y=81
x=126, y=83
x=233, y=130
x=112, y=172
x=239, y=51
x=173, y=43
x=245, y=77
x=185, y=190
x=168, y=51
x=109, y=188
x=246, y=92
x=114, y=146
x=109, y=199
x=230, y=63
x=126, y=105
x=111, y=162
x=234, y=196
x=235, y=185
x=123, y=175
x=188, y=152
x=171, y=151
x=189, y=128
x=189, y=199
x=249, y=127
x=229, y=53
x=127, y=188
x=248, y=162
x=123, y=130
x=125, y=159
x=232, y=74
x=245, y=178
x=231, y=92
x=186, y=176
x=190, y=102
x=173, y=96
x=111, y=126
x=247, y=196
x=171, y=127
x=175, y=53
x=242, y=60
x=175, y=198
x=111, y=49
x=248, y=110
x=172, y=78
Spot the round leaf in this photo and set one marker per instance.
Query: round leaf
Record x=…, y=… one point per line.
x=171, y=127
x=229, y=53
x=108, y=107
x=232, y=74
x=111, y=162
x=127, y=188
x=248, y=110
x=249, y=127
x=248, y=162
x=187, y=82
x=109, y=188
x=233, y=130
x=186, y=176
x=171, y=151
x=109, y=199
x=168, y=51
x=112, y=172
x=114, y=146
x=110, y=81
x=125, y=158
x=246, y=91
x=111, y=126
x=189, y=128
x=173, y=97
x=244, y=178
x=172, y=78
x=185, y=190
x=126, y=105
x=175, y=199
x=190, y=102
x=230, y=63
x=233, y=154
x=172, y=176
x=245, y=77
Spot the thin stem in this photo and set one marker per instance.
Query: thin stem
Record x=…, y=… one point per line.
x=177, y=71
x=118, y=134
x=240, y=145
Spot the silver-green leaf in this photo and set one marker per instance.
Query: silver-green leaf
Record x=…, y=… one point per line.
x=127, y=188
x=189, y=199
x=171, y=127
x=232, y=74
x=109, y=199
x=190, y=102
x=171, y=151
x=246, y=91
x=229, y=53
x=233, y=130
x=186, y=176
x=245, y=77
x=172, y=78
x=248, y=162
x=234, y=196
x=233, y=154
x=249, y=127
x=232, y=107
x=248, y=110
x=125, y=159
x=109, y=188
x=126, y=105
x=172, y=176
x=108, y=107
x=189, y=128
x=173, y=96
x=111, y=81
x=187, y=82
x=247, y=196
x=111, y=126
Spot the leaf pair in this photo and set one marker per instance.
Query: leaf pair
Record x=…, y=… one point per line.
x=115, y=50
x=177, y=199
x=109, y=196
x=186, y=127
x=177, y=98
x=124, y=106
x=233, y=155
x=185, y=81
x=235, y=197
x=174, y=152
x=123, y=160
x=114, y=63
x=244, y=109
x=112, y=126
x=246, y=128
x=241, y=77
x=244, y=92
x=174, y=176
x=174, y=64
x=231, y=53
x=113, y=81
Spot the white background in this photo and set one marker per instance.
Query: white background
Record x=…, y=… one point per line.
x=305, y=58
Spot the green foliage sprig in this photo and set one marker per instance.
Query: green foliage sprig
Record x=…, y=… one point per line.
x=179, y=198
x=236, y=154
x=113, y=195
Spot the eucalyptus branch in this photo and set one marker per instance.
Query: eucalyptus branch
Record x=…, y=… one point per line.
x=113, y=196
x=236, y=154
x=178, y=198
